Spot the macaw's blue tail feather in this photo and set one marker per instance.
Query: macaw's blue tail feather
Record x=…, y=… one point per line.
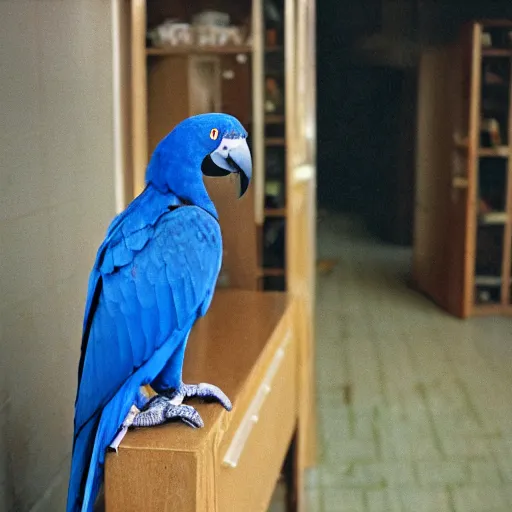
x=82, y=451
x=93, y=439
x=90, y=450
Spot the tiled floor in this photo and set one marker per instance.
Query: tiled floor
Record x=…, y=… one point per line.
x=415, y=407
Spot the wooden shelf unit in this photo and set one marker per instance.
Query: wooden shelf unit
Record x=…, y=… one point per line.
x=163, y=86
x=463, y=234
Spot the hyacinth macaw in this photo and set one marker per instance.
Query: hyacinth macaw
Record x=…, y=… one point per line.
x=154, y=276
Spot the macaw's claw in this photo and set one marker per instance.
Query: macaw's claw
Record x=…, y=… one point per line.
x=207, y=392
x=160, y=409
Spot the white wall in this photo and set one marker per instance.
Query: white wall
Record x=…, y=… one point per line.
x=56, y=199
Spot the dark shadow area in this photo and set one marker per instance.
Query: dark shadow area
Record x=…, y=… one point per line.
x=368, y=55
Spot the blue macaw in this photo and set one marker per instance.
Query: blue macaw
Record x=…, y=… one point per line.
x=154, y=276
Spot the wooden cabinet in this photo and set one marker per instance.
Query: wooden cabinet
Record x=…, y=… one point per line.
x=169, y=84
x=233, y=463
x=463, y=226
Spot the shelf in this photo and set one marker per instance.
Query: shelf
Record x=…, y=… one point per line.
x=488, y=280
x=496, y=52
x=496, y=85
x=274, y=49
x=275, y=141
x=500, y=151
x=491, y=218
x=275, y=272
x=275, y=212
x=461, y=144
x=491, y=309
x=274, y=119
x=493, y=23
x=192, y=49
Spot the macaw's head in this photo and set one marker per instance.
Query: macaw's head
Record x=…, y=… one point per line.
x=206, y=144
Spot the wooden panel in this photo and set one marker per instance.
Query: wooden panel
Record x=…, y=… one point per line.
x=181, y=86
x=257, y=112
x=122, y=31
x=431, y=162
x=152, y=481
x=204, y=92
x=433, y=259
x=262, y=454
x=301, y=207
x=236, y=91
x=507, y=245
x=239, y=233
x=168, y=98
x=463, y=224
x=209, y=92
x=139, y=95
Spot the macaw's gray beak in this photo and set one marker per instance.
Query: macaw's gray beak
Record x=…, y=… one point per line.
x=241, y=156
x=234, y=156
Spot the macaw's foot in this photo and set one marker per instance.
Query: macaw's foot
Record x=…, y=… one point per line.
x=168, y=406
x=207, y=392
x=155, y=411
x=161, y=409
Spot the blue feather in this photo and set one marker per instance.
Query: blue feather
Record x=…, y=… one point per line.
x=121, y=254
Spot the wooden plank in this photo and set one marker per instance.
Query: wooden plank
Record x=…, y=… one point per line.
x=236, y=87
x=474, y=144
x=491, y=310
x=496, y=52
x=310, y=130
x=258, y=100
x=495, y=23
x=301, y=206
x=274, y=119
x=500, y=152
x=168, y=97
x=275, y=212
x=236, y=217
x=204, y=84
x=192, y=49
x=437, y=96
x=139, y=95
x=272, y=272
x=493, y=218
x=506, y=298
x=275, y=141
x=121, y=32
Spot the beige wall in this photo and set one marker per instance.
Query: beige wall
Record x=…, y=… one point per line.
x=56, y=199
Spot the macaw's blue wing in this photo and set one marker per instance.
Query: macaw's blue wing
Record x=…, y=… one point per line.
x=152, y=283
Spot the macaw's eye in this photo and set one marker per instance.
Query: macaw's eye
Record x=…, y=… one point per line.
x=214, y=134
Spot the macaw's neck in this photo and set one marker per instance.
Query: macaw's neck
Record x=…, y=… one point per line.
x=180, y=173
